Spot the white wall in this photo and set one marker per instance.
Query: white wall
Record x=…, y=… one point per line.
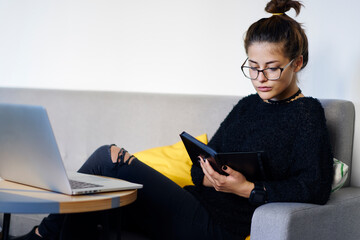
x=172, y=46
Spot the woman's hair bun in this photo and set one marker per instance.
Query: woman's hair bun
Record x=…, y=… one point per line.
x=281, y=29
x=282, y=6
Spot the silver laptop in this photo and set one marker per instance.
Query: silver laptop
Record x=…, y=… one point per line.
x=30, y=155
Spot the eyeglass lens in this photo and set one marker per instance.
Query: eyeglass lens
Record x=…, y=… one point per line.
x=270, y=73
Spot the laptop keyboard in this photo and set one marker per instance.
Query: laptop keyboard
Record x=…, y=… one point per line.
x=78, y=185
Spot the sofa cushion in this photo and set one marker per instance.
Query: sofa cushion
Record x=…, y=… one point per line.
x=172, y=161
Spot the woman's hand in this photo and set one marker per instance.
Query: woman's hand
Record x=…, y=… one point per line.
x=235, y=182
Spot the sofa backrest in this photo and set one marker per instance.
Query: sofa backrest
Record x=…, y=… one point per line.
x=84, y=120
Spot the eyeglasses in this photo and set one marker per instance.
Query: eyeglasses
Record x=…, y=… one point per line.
x=270, y=73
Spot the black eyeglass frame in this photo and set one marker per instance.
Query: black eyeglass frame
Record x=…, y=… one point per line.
x=262, y=70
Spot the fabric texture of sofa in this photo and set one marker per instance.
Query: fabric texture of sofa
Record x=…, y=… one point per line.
x=84, y=120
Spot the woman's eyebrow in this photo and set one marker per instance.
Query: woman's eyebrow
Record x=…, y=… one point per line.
x=270, y=62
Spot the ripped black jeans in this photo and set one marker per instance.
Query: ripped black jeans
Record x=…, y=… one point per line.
x=163, y=210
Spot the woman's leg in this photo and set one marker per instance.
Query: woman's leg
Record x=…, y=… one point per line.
x=163, y=210
x=72, y=226
x=50, y=226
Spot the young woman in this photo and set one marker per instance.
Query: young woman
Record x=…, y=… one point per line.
x=278, y=119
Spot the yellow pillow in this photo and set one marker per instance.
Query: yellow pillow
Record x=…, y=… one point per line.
x=172, y=161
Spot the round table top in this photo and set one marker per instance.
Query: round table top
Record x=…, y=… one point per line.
x=18, y=198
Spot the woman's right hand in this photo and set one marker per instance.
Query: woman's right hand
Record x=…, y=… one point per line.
x=235, y=182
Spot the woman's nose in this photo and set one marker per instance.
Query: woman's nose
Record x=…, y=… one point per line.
x=261, y=77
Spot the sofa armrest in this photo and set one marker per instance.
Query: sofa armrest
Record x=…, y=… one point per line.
x=338, y=219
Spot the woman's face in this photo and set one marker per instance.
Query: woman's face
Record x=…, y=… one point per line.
x=269, y=55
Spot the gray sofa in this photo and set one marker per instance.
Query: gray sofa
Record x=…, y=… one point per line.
x=84, y=120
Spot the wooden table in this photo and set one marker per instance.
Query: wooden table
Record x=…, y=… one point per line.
x=18, y=198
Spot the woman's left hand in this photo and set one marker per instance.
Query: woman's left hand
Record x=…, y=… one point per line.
x=235, y=182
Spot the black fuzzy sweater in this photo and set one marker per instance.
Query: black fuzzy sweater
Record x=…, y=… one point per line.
x=299, y=164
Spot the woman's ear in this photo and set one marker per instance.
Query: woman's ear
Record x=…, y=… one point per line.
x=298, y=63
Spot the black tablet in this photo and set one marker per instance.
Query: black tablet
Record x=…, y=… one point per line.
x=248, y=163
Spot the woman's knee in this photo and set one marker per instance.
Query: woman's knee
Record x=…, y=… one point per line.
x=104, y=158
x=120, y=155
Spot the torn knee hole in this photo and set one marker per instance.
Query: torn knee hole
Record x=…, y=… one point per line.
x=124, y=157
x=114, y=152
x=130, y=159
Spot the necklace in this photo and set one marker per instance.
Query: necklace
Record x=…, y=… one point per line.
x=286, y=100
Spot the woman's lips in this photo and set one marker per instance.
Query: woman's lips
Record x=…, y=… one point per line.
x=264, y=89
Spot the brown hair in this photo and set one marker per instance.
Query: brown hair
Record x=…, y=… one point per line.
x=280, y=28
